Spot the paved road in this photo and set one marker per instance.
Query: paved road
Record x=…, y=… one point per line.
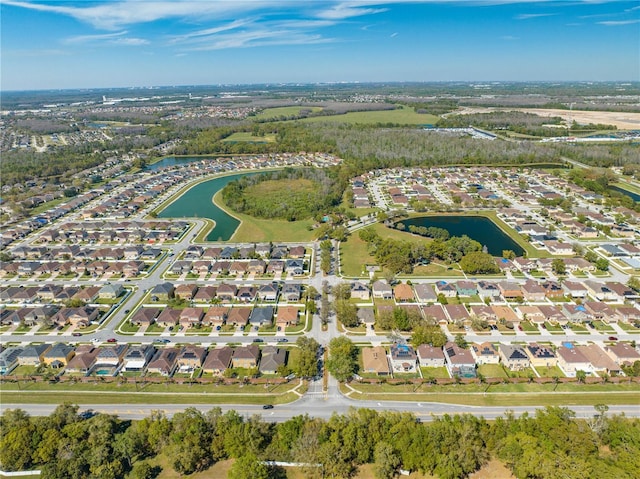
x=321, y=407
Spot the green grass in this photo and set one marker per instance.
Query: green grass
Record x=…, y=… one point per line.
x=549, y=372
x=258, y=230
x=402, y=116
x=246, y=137
x=492, y=371
x=440, y=372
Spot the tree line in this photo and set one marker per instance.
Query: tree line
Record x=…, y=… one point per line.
x=552, y=443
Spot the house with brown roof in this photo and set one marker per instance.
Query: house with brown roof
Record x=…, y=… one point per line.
x=505, y=313
x=457, y=313
x=530, y=313
x=83, y=361
x=571, y=360
x=403, y=293
x=191, y=317
x=145, y=316
x=436, y=312
x=168, y=317
x=238, y=316
x=287, y=316
x=226, y=292
x=429, y=356
x=246, y=294
x=599, y=359
x=216, y=316
x=532, y=291
x=185, y=291
x=424, y=293
x=190, y=358
x=510, y=291
x=164, y=362
x=271, y=359
x=622, y=353
x=375, y=361
x=459, y=361
x=217, y=361
x=246, y=356
x=205, y=294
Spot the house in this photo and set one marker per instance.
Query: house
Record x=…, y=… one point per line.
x=246, y=356
x=268, y=292
x=381, y=289
x=226, y=292
x=513, y=357
x=185, y=291
x=622, y=353
x=459, y=362
x=238, y=316
x=487, y=289
x=574, y=289
x=83, y=361
x=483, y=313
x=162, y=292
x=246, y=294
x=292, y=292
x=168, y=317
x=190, y=358
x=571, y=360
x=425, y=293
x=180, y=267
x=164, y=362
x=600, y=291
x=403, y=293
x=110, y=357
x=191, y=317
x=256, y=266
x=275, y=267
x=466, y=288
x=540, y=356
x=485, y=353
x=294, y=267
x=297, y=252
x=216, y=316
x=628, y=314
x=375, y=361
x=111, y=291
x=221, y=267
x=272, y=358
x=360, y=291
x=576, y=313
x=217, y=361
x=9, y=360
x=530, y=313
x=261, y=316
x=599, y=359
x=58, y=356
x=403, y=358
x=601, y=311
x=80, y=317
x=510, y=291
x=145, y=316
x=367, y=316
x=88, y=294
x=552, y=289
x=429, y=356
x=205, y=294
x=44, y=315
x=137, y=358
x=287, y=316
x=532, y=291
x=448, y=290
x=505, y=313
x=237, y=268
x=201, y=267
x=33, y=354
x=457, y=313
x=436, y=313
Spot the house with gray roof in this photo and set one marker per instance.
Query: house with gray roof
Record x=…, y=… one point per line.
x=272, y=358
x=261, y=315
x=9, y=360
x=33, y=355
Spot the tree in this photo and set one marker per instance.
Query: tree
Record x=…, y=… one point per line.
x=508, y=254
x=478, y=262
x=602, y=264
x=342, y=361
x=307, y=364
x=558, y=266
x=428, y=334
x=342, y=291
x=347, y=313
x=386, y=461
x=634, y=283
x=461, y=342
x=581, y=376
x=248, y=467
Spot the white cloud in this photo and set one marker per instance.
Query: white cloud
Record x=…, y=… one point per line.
x=394, y=34
x=529, y=16
x=617, y=23
x=94, y=38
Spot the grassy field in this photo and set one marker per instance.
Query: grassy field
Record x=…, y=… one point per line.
x=274, y=113
x=402, y=116
x=246, y=137
x=257, y=230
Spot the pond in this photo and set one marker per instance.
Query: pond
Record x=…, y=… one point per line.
x=197, y=202
x=479, y=228
x=633, y=196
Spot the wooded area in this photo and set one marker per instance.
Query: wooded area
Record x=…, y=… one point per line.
x=550, y=444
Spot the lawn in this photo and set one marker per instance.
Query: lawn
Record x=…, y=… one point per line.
x=549, y=372
x=402, y=116
x=492, y=371
x=263, y=230
x=440, y=372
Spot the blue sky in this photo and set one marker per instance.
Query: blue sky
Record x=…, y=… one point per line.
x=119, y=43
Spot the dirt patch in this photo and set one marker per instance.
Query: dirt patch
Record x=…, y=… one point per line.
x=493, y=470
x=621, y=120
